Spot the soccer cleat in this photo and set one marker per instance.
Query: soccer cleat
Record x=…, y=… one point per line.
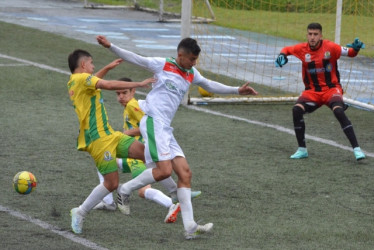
x=358, y=153
x=171, y=217
x=105, y=206
x=123, y=203
x=201, y=229
x=194, y=194
x=300, y=153
x=76, y=221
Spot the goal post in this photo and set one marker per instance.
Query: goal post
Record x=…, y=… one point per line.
x=248, y=52
x=246, y=36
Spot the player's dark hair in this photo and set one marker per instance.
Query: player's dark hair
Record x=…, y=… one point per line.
x=189, y=45
x=74, y=57
x=314, y=26
x=126, y=79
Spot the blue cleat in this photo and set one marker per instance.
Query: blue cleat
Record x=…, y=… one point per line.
x=358, y=153
x=194, y=194
x=300, y=153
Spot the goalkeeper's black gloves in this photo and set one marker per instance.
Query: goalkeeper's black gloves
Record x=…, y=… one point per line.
x=356, y=45
x=281, y=60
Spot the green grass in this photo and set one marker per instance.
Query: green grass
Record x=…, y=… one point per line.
x=254, y=194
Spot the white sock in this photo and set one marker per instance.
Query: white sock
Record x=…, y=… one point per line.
x=119, y=163
x=184, y=197
x=141, y=180
x=170, y=185
x=97, y=194
x=109, y=198
x=157, y=196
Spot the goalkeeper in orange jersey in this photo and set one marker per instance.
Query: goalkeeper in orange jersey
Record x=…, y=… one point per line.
x=132, y=115
x=322, y=83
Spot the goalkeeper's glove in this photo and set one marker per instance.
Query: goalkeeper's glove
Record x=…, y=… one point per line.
x=281, y=60
x=356, y=45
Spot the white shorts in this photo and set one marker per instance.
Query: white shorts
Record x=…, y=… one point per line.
x=160, y=144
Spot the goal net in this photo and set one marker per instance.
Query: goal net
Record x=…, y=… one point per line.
x=243, y=41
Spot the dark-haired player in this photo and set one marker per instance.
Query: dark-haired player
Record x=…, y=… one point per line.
x=322, y=83
x=96, y=136
x=174, y=77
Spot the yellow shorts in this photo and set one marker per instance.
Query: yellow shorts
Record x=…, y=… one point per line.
x=105, y=150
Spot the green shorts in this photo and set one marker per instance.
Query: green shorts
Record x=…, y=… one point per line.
x=105, y=150
x=133, y=166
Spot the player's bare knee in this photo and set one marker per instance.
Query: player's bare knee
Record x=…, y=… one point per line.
x=165, y=173
x=111, y=181
x=185, y=176
x=111, y=186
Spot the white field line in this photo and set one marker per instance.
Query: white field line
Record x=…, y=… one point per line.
x=262, y=124
x=279, y=128
x=53, y=229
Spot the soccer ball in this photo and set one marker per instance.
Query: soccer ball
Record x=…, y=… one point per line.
x=24, y=182
x=204, y=93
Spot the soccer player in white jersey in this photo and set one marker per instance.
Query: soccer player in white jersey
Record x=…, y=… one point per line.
x=132, y=115
x=174, y=76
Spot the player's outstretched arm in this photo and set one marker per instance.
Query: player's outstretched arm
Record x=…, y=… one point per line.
x=247, y=90
x=102, y=72
x=103, y=41
x=115, y=85
x=126, y=55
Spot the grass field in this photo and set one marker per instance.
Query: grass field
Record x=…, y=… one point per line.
x=254, y=194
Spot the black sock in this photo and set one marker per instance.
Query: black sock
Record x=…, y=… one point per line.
x=299, y=125
x=346, y=125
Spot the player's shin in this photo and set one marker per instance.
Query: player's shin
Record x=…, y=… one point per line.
x=299, y=125
x=346, y=125
x=184, y=196
x=97, y=194
x=141, y=180
x=170, y=185
x=158, y=197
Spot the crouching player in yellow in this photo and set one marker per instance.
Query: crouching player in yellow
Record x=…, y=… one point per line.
x=132, y=115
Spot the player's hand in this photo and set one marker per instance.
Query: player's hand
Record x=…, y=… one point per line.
x=114, y=64
x=281, y=60
x=247, y=90
x=356, y=45
x=103, y=41
x=146, y=82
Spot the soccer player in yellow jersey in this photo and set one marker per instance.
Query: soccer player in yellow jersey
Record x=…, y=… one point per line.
x=96, y=136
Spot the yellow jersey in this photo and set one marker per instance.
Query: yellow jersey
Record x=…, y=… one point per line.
x=89, y=106
x=132, y=115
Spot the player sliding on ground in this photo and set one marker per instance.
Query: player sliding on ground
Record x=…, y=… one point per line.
x=174, y=76
x=322, y=84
